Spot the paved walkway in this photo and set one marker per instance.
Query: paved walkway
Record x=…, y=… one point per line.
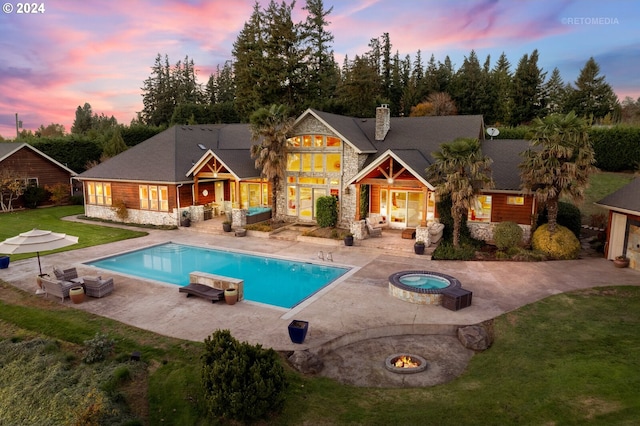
x=354, y=308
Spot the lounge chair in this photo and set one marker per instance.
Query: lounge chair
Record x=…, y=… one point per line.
x=373, y=231
x=204, y=291
x=57, y=287
x=97, y=287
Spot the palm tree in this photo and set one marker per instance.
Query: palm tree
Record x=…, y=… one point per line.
x=559, y=161
x=461, y=171
x=270, y=127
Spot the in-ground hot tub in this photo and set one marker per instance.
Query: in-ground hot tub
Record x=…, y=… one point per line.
x=421, y=287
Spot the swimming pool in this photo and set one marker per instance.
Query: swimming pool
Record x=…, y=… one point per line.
x=277, y=282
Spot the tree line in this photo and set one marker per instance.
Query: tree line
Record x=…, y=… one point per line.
x=279, y=61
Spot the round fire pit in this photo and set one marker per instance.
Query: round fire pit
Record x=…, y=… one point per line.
x=405, y=363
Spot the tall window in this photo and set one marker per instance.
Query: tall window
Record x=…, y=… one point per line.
x=154, y=197
x=480, y=210
x=99, y=193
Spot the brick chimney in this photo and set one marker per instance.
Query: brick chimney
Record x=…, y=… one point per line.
x=383, y=121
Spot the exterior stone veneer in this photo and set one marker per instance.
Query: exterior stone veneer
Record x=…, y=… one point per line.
x=135, y=216
x=484, y=231
x=414, y=297
x=351, y=164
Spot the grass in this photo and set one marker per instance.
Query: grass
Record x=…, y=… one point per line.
x=568, y=359
x=13, y=223
x=600, y=185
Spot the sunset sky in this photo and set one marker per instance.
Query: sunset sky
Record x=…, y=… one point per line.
x=100, y=52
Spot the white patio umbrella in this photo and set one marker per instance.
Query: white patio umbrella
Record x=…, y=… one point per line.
x=36, y=240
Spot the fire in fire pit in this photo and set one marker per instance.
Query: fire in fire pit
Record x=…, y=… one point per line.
x=405, y=363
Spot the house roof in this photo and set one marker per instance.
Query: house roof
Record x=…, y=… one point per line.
x=505, y=154
x=625, y=199
x=169, y=155
x=7, y=149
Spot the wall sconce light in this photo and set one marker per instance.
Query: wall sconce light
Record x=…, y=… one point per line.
x=390, y=181
x=215, y=174
x=347, y=190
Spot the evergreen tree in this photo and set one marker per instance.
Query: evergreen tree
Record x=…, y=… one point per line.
x=249, y=65
x=115, y=145
x=467, y=86
x=84, y=120
x=158, y=98
x=500, y=88
x=555, y=91
x=592, y=96
x=359, y=90
x=527, y=96
x=322, y=75
x=444, y=75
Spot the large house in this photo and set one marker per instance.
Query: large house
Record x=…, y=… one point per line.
x=200, y=167
x=32, y=167
x=623, y=233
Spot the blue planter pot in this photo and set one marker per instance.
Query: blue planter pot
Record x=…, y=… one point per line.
x=4, y=262
x=298, y=330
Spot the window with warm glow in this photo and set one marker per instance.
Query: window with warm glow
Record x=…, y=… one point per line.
x=154, y=197
x=333, y=162
x=333, y=142
x=515, y=201
x=306, y=162
x=293, y=162
x=99, y=193
x=294, y=141
x=291, y=200
x=480, y=210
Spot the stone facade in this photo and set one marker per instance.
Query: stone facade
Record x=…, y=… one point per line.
x=484, y=231
x=135, y=216
x=351, y=164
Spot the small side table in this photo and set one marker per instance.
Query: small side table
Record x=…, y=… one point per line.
x=456, y=298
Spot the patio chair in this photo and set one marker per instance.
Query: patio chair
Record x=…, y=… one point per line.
x=57, y=288
x=97, y=287
x=373, y=231
x=65, y=274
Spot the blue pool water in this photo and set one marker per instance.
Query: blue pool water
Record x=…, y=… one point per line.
x=266, y=280
x=424, y=281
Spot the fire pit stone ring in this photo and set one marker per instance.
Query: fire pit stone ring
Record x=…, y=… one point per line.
x=390, y=363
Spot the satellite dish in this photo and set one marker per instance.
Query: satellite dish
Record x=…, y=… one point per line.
x=492, y=131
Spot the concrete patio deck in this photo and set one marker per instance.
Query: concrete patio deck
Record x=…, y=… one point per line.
x=355, y=307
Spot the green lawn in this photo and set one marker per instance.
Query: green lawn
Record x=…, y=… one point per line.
x=13, y=223
x=600, y=185
x=569, y=359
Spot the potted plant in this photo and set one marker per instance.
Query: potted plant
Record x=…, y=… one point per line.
x=621, y=261
x=348, y=239
x=186, y=219
x=418, y=247
x=298, y=330
x=226, y=226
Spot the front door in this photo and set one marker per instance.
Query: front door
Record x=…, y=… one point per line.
x=308, y=197
x=633, y=245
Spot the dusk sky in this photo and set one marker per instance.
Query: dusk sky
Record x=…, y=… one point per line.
x=100, y=52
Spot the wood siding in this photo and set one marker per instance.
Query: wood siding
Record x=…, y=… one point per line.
x=129, y=192
x=503, y=212
x=28, y=164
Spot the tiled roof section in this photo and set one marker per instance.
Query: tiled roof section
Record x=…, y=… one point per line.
x=626, y=198
x=168, y=156
x=505, y=154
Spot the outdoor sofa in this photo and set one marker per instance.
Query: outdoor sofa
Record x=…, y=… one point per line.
x=56, y=287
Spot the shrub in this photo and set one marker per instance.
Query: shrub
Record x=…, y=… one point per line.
x=326, y=211
x=446, y=251
x=563, y=244
x=569, y=216
x=33, y=196
x=240, y=381
x=507, y=235
x=120, y=209
x=98, y=348
x=59, y=193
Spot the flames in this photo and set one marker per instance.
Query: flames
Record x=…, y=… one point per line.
x=405, y=362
